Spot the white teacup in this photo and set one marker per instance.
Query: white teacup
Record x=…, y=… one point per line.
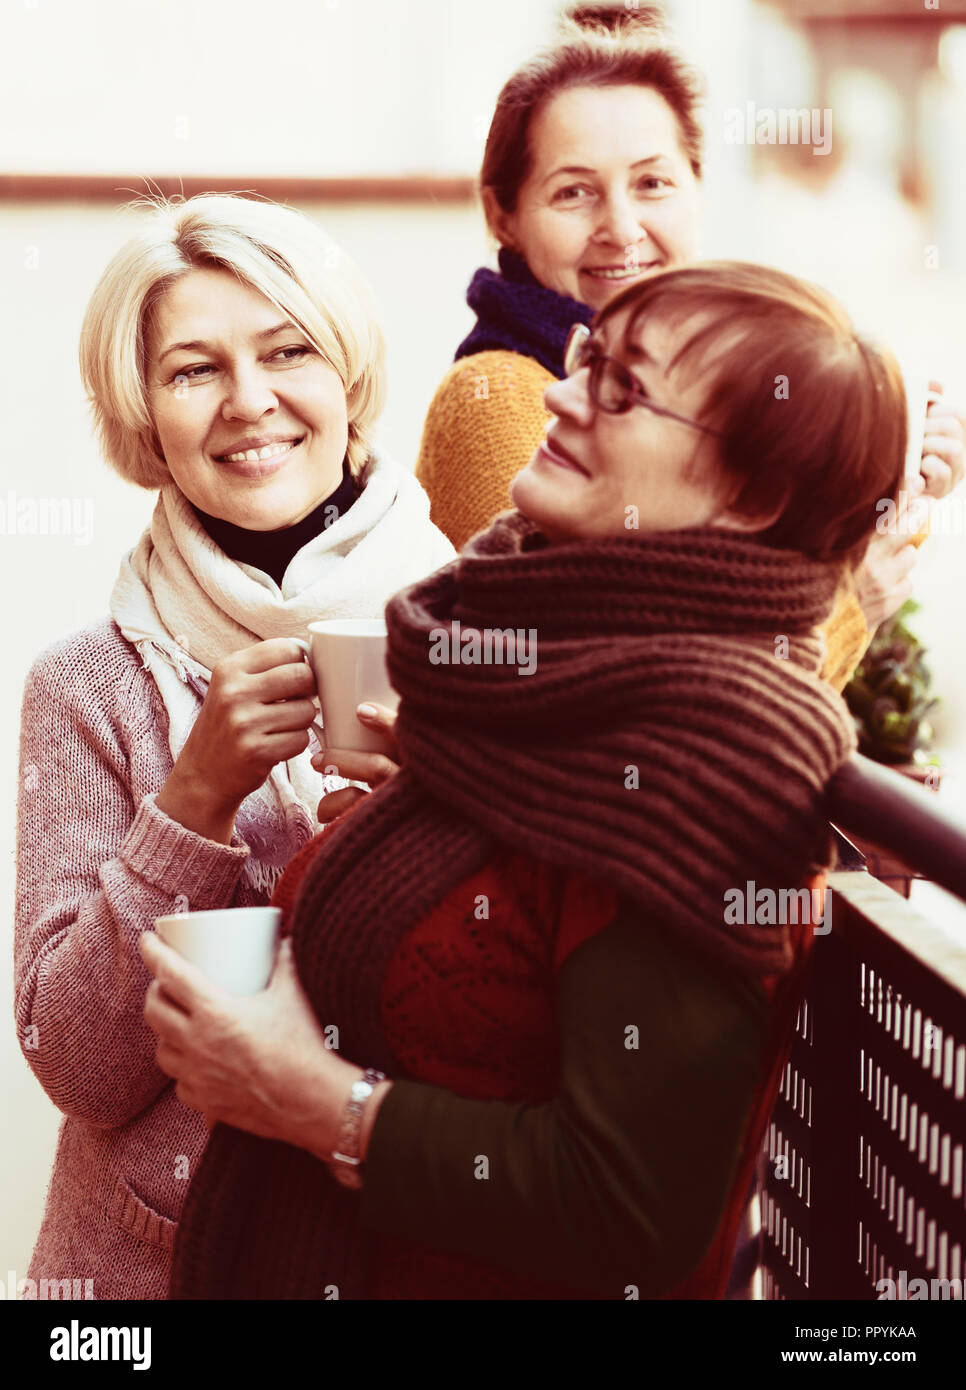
x=234, y=946
x=918, y=397
x=348, y=659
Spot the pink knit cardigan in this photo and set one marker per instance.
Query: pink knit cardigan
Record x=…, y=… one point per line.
x=97, y=862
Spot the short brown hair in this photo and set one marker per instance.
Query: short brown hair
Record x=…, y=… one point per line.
x=600, y=47
x=813, y=415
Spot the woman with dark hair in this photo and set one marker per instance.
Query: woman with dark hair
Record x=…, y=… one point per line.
x=557, y=1037
x=591, y=181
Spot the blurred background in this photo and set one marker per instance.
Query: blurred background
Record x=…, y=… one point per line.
x=371, y=118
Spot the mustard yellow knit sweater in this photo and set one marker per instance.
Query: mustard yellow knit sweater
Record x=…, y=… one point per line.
x=484, y=423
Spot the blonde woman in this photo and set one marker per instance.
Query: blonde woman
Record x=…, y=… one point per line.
x=234, y=364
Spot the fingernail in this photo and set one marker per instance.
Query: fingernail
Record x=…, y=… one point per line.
x=367, y=712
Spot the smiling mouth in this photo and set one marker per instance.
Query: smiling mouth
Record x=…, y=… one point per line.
x=619, y=273
x=269, y=451
x=559, y=456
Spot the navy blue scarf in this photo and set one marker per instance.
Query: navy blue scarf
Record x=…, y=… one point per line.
x=515, y=312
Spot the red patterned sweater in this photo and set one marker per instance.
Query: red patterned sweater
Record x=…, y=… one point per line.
x=521, y=987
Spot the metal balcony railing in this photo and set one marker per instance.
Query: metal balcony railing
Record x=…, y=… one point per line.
x=862, y=1176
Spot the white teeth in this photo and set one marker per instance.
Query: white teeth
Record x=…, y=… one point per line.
x=270, y=451
x=617, y=274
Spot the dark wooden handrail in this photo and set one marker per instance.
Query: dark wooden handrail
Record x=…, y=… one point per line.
x=883, y=806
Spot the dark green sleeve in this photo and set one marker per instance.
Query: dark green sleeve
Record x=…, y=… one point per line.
x=620, y=1179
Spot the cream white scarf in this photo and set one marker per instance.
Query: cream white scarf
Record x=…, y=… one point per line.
x=185, y=605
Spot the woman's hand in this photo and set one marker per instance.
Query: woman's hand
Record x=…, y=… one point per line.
x=258, y=1062
x=256, y=713
x=944, y=447
x=371, y=768
x=883, y=581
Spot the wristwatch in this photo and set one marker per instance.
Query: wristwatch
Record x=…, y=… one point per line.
x=345, y=1163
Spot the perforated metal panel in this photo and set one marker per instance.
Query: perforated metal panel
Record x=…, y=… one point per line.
x=786, y=1148
x=863, y=1162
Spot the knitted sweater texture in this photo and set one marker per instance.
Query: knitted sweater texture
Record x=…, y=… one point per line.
x=97, y=863
x=460, y=996
x=515, y=312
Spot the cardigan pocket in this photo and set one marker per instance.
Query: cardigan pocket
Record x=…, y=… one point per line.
x=138, y=1219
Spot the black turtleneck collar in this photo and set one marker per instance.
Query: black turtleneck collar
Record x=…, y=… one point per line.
x=272, y=551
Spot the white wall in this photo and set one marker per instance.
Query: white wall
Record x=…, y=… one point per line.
x=314, y=87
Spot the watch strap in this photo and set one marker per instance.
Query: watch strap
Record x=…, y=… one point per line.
x=345, y=1162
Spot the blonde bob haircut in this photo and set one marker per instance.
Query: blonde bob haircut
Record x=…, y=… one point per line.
x=275, y=250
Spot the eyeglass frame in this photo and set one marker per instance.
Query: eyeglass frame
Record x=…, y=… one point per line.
x=581, y=335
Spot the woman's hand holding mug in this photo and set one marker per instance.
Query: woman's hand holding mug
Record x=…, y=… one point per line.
x=944, y=444
x=371, y=768
x=256, y=713
x=884, y=579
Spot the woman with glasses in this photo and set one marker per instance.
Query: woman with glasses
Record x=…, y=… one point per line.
x=591, y=181
x=559, y=1015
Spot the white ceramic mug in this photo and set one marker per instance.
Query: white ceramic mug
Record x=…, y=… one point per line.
x=348, y=659
x=234, y=946
x=918, y=398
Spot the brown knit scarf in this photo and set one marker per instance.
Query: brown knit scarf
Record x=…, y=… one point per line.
x=673, y=739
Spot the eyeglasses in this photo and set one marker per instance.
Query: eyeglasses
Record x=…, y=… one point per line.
x=613, y=387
